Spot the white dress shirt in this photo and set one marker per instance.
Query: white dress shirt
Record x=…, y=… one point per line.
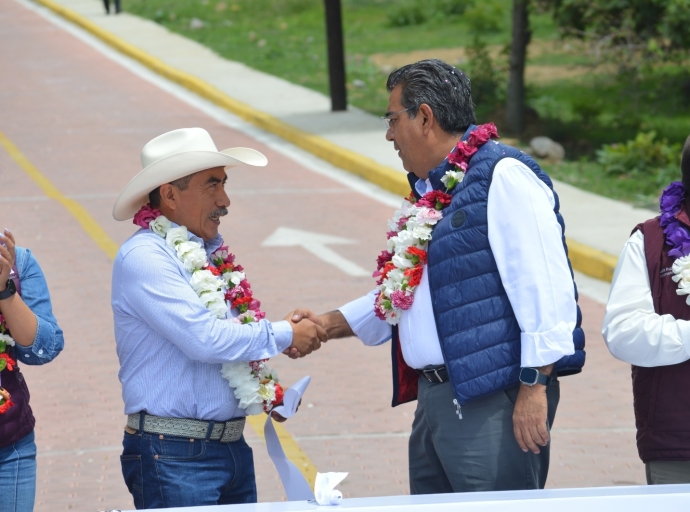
x=633, y=331
x=525, y=238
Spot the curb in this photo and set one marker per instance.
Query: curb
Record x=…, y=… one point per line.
x=585, y=259
x=383, y=176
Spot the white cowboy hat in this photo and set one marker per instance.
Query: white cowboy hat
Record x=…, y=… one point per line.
x=174, y=155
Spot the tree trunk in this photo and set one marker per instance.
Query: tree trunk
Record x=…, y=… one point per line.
x=515, y=101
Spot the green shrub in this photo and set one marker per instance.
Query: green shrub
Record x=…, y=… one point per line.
x=642, y=156
x=406, y=14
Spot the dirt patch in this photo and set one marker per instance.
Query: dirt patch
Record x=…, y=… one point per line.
x=541, y=73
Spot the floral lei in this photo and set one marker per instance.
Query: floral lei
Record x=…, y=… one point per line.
x=219, y=284
x=6, y=362
x=676, y=235
x=400, y=267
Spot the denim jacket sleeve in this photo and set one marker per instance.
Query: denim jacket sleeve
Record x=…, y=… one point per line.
x=49, y=340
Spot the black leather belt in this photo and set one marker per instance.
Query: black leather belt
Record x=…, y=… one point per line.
x=438, y=375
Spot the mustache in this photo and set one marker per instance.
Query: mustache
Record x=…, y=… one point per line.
x=220, y=212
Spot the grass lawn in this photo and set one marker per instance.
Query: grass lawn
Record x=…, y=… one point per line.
x=570, y=100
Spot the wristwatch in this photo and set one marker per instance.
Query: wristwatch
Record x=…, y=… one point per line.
x=8, y=291
x=532, y=376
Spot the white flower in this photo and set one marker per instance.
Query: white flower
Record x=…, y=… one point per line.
x=203, y=281
x=234, y=277
x=176, y=235
x=422, y=232
x=160, y=225
x=192, y=255
x=428, y=216
x=457, y=175
x=400, y=261
x=7, y=339
x=268, y=391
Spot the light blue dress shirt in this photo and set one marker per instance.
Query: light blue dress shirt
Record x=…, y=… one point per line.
x=171, y=348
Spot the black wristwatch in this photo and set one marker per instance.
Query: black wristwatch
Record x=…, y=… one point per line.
x=8, y=291
x=532, y=376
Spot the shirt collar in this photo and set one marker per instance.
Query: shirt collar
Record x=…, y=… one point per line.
x=436, y=174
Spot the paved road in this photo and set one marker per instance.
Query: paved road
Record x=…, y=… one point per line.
x=81, y=120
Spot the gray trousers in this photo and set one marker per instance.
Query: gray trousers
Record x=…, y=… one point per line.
x=476, y=453
x=668, y=472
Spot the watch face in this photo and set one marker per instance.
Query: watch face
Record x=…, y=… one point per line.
x=529, y=376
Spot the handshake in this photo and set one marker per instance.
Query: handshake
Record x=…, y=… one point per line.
x=310, y=330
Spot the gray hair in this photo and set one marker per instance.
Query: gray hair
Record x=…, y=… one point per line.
x=180, y=184
x=444, y=88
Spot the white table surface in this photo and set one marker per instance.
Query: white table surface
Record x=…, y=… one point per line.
x=594, y=499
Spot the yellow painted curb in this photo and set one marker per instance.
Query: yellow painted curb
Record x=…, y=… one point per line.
x=591, y=261
x=585, y=259
x=383, y=176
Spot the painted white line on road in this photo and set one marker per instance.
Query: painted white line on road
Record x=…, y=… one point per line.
x=316, y=243
x=304, y=158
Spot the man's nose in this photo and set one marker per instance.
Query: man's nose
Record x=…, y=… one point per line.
x=224, y=199
x=390, y=134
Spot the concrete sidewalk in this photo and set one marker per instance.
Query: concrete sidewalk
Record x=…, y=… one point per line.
x=597, y=222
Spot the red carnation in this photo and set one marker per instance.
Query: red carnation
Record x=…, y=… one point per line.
x=414, y=275
x=482, y=134
x=5, y=406
x=435, y=199
x=240, y=301
x=214, y=270
x=280, y=393
x=420, y=253
x=411, y=198
x=226, y=267
x=9, y=362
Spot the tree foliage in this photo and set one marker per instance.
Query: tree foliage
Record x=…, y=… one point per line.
x=631, y=32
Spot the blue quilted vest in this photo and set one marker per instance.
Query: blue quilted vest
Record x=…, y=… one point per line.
x=479, y=334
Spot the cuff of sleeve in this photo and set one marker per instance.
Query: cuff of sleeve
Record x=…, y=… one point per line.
x=356, y=312
x=544, y=348
x=684, y=328
x=283, y=334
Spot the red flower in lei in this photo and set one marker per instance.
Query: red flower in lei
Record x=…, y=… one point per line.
x=6, y=363
x=388, y=305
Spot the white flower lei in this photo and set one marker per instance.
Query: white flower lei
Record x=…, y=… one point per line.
x=254, y=384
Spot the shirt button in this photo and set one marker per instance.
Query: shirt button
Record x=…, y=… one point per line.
x=155, y=457
x=40, y=351
x=191, y=440
x=26, y=355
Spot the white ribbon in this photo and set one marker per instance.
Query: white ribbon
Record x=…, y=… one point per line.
x=324, y=488
x=296, y=486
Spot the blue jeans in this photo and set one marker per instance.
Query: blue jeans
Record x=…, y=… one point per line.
x=18, y=475
x=168, y=471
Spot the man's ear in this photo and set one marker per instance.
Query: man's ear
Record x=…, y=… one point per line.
x=428, y=119
x=169, y=196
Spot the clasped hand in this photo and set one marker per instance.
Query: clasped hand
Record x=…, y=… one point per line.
x=307, y=333
x=7, y=257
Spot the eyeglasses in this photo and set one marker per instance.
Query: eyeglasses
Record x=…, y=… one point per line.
x=387, y=120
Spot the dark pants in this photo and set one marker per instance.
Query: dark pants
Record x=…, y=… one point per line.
x=476, y=453
x=168, y=471
x=106, y=3
x=668, y=472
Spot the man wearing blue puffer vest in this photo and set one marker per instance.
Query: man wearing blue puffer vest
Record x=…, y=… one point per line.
x=475, y=290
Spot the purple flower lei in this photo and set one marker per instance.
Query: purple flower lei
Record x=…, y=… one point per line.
x=676, y=233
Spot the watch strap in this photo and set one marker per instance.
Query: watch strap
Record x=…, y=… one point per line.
x=8, y=291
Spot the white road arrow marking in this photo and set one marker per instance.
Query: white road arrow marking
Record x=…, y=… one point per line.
x=316, y=244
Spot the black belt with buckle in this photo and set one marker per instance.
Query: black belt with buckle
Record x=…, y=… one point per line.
x=438, y=375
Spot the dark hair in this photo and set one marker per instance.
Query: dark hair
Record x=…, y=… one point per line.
x=443, y=87
x=155, y=194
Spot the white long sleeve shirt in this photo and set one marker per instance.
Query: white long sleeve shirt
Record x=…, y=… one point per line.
x=525, y=238
x=633, y=331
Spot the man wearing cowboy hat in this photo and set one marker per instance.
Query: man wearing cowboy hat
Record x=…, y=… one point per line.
x=183, y=444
